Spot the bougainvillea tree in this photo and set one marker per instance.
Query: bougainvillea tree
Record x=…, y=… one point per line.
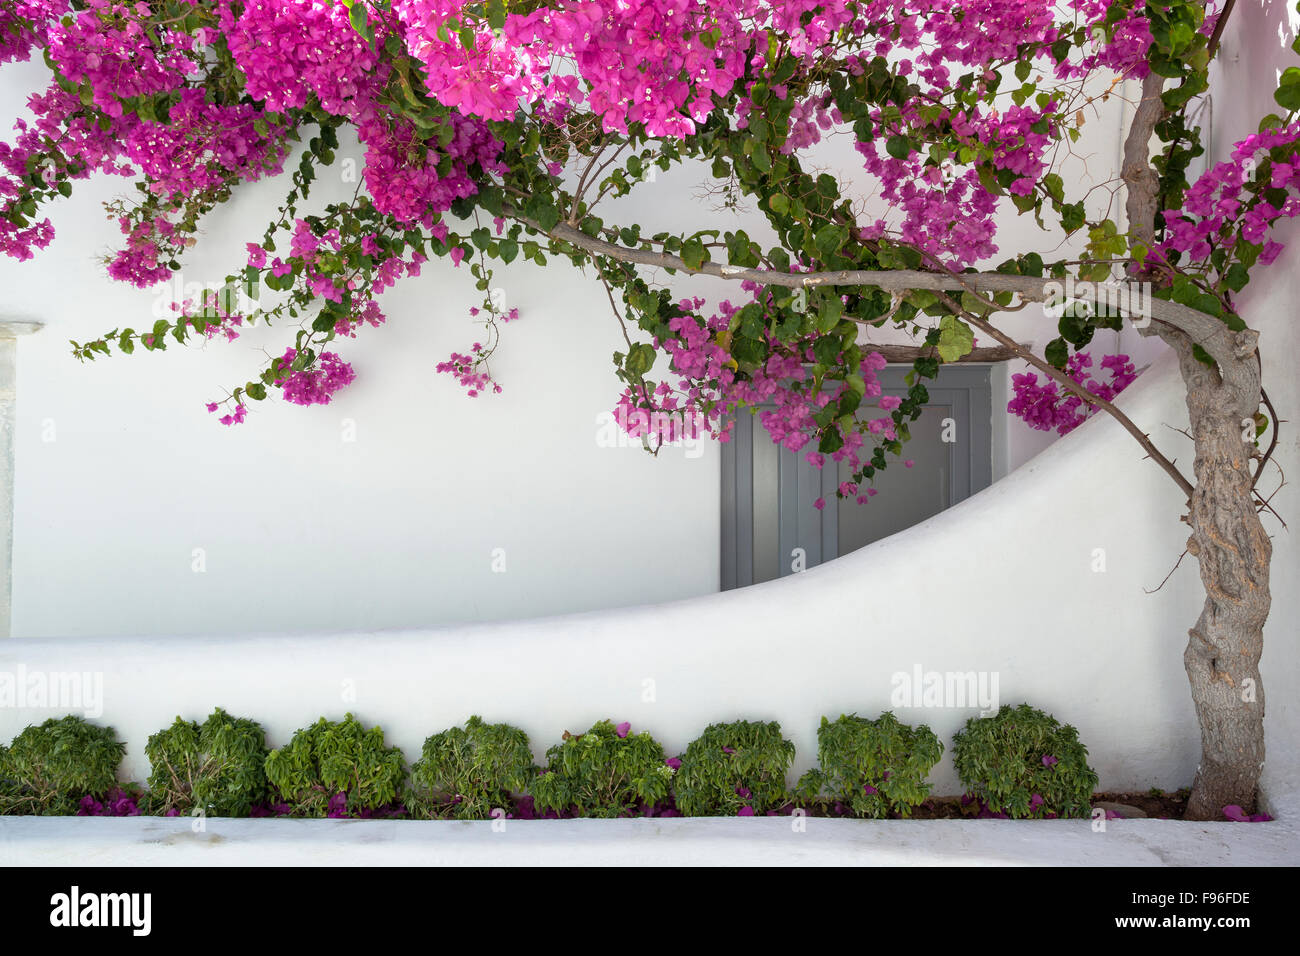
x=495, y=131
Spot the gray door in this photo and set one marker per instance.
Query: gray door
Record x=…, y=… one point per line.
x=770, y=525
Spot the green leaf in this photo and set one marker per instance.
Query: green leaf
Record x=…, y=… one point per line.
x=1072, y=216
x=358, y=18
x=693, y=253
x=955, y=338
x=1075, y=329
x=640, y=359
x=1288, y=90
x=1055, y=186
x=832, y=308
x=829, y=239
x=898, y=146
x=1057, y=353
x=750, y=351
x=548, y=217
x=1236, y=277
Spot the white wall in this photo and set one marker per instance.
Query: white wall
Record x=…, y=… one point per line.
x=1005, y=583
x=301, y=529
x=122, y=474
x=1002, y=583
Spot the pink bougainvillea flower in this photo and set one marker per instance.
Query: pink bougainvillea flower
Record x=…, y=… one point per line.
x=746, y=812
x=1234, y=812
x=1048, y=760
x=623, y=728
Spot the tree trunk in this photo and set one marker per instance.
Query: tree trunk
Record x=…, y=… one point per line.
x=1229, y=542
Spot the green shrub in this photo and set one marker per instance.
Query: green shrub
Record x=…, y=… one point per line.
x=219, y=767
x=734, y=766
x=466, y=772
x=1024, y=763
x=606, y=772
x=876, y=768
x=336, y=757
x=49, y=768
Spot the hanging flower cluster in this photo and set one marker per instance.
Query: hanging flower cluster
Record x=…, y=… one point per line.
x=1048, y=406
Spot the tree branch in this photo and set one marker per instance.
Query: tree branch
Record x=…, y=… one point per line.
x=1233, y=352
x=1143, y=184
x=1212, y=46
x=1272, y=444
x=910, y=353
x=1056, y=375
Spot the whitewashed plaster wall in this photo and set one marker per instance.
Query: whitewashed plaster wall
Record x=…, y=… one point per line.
x=124, y=481
x=340, y=547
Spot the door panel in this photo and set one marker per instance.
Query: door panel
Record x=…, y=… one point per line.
x=771, y=527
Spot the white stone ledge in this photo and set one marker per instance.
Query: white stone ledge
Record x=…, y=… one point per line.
x=155, y=841
x=12, y=328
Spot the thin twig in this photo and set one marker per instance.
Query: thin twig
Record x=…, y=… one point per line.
x=1169, y=575
x=1213, y=46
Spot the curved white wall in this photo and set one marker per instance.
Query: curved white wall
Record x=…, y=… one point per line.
x=1002, y=583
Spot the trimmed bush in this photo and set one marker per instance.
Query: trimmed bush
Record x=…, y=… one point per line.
x=49, y=768
x=466, y=772
x=336, y=765
x=734, y=769
x=1024, y=763
x=875, y=768
x=606, y=772
x=219, y=767
x=1020, y=763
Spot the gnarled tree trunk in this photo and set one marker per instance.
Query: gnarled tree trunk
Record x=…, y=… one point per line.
x=1229, y=542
